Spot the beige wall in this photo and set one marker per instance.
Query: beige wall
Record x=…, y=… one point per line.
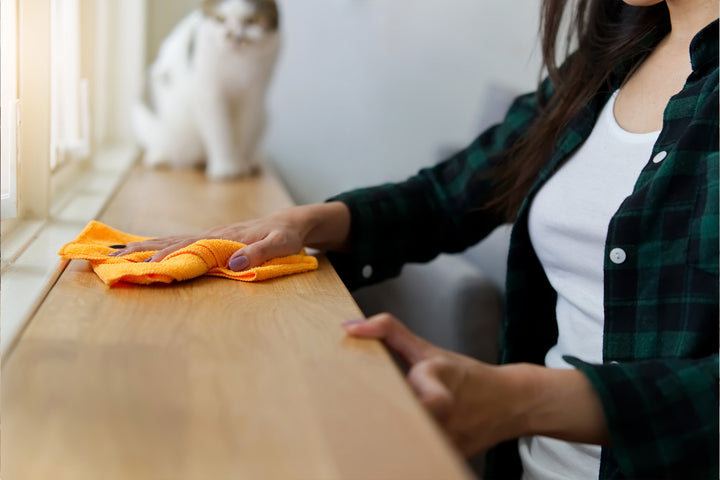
x=162, y=15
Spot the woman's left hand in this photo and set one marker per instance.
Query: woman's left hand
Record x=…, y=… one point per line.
x=480, y=405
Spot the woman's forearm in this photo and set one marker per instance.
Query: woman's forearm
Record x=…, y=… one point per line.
x=480, y=405
x=325, y=226
x=564, y=405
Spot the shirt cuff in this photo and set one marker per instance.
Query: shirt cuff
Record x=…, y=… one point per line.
x=662, y=415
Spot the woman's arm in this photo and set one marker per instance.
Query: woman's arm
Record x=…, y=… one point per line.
x=324, y=226
x=437, y=210
x=480, y=405
x=660, y=417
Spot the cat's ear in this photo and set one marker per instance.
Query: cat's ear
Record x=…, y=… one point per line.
x=208, y=6
x=268, y=12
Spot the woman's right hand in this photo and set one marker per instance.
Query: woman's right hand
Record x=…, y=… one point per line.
x=286, y=232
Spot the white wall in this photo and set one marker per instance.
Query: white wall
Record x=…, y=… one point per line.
x=372, y=90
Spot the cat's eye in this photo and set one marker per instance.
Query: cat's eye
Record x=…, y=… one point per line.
x=254, y=20
x=220, y=18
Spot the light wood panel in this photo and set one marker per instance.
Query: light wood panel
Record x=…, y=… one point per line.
x=211, y=378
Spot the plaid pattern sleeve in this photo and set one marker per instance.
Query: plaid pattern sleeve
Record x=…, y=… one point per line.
x=662, y=415
x=432, y=212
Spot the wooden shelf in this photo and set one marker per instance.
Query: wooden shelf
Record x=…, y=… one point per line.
x=209, y=378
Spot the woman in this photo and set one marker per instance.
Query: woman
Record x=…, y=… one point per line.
x=610, y=176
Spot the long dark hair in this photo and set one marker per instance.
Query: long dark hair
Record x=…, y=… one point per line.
x=604, y=35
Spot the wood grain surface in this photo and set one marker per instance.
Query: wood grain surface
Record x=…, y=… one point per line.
x=210, y=378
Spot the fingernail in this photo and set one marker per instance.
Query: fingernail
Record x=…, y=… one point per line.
x=354, y=321
x=238, y=263
x=148, y=259
x=117, y=246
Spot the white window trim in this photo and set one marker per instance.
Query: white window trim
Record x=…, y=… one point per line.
x=34, y=90
x=9, y=105
x=9, y=138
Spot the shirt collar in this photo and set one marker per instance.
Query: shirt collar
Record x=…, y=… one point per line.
x=704, y=48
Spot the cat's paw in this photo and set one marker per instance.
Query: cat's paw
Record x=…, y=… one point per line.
x=257, y=162
x=154, y=159
x=227, y=172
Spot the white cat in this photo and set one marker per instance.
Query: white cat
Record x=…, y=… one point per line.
x=207, y=89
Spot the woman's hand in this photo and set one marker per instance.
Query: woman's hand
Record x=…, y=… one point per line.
x=283, y=233
x=480, y=405
x=266, y=238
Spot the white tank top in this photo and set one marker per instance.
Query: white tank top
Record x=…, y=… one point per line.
x=568, y=225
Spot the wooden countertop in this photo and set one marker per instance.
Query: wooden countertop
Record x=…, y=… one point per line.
x=210, y=378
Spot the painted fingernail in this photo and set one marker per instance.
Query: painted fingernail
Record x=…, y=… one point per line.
x=148, y=259
x=117, y=246
x=238, y=263
x=354, y=321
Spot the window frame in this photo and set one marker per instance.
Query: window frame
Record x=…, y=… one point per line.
x=68, y=89
x=9, y=107
x=104, y=88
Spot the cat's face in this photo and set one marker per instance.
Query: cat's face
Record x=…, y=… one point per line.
x=243, y=22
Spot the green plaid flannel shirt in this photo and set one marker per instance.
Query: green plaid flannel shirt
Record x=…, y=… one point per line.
x=659, y=380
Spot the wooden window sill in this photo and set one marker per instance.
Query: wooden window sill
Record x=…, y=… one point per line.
x=209, y=378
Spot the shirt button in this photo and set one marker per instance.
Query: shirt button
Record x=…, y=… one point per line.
x=659, y=157
x=617, y=256
x=367, y=271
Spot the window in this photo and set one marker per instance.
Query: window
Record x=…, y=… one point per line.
x=69, y=107
x=8, y=107
x=70, y=71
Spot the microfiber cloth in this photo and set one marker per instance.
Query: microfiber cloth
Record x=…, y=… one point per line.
x=204, y=257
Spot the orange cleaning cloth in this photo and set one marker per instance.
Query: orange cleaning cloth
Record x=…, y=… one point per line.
x=204, y=257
